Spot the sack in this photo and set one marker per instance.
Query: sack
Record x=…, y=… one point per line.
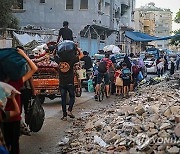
x=135, y=70
x=102, y=67
x=140, y=76
x=12, y=63
x=35, y=116
x=119, y=81
x=81, y=74
x=126, y=74
x=67, y=50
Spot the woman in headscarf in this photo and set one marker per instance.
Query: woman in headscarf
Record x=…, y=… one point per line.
x=127, y=61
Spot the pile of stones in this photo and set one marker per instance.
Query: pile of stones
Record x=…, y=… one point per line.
x=148, y=122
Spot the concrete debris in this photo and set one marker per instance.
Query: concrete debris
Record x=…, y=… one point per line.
x=147, y=122
x=177, y=130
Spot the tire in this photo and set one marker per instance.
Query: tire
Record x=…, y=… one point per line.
x=86, y=88
x=41, y=98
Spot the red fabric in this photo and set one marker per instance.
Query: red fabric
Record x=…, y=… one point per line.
x=9, y=106
x=116, y=74
x=108, y=63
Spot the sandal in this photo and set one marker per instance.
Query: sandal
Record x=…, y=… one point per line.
x=64, y=118
x=24, y=130
x=71, y=115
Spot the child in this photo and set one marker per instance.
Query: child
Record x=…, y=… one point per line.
x=118, y=81
x=6, y=91
x=12, y=126
x=126, y=76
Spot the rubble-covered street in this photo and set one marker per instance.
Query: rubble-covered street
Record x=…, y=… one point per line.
x=147, y=122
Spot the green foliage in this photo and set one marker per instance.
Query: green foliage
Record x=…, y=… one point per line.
x=176, y=41
x=177, y=18
x=7, y=20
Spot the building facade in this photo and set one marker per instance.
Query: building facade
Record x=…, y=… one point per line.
x=154, y=21
x=95, y=23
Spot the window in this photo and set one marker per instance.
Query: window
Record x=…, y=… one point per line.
x=69, y=4
x=42, y=1
x=107, y=8
x=17, y=4
x=84, y=4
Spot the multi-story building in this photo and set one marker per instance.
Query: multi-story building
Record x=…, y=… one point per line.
x=95, y=23
x=145, y=22
x=154, y=21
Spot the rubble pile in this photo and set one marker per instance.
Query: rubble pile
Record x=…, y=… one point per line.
x=147, y=122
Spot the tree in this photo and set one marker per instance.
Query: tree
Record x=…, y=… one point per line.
x=176, y=41
x=7, y=19
x=177, y=18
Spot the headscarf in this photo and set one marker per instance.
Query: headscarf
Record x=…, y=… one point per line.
x=127, y=61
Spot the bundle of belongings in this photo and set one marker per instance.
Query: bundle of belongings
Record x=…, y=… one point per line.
x=5, y=92
x=43, y=56
x=12, y=64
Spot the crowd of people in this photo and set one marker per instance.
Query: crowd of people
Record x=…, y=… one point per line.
x=125, y=75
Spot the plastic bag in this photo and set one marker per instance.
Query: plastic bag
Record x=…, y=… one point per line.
x=35, y=116
x=67, y=50
x=140, y=76
x=5, y=91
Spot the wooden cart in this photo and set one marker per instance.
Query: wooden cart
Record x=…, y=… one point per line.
x=46, y=83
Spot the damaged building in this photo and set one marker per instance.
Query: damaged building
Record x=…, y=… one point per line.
x=95, y=23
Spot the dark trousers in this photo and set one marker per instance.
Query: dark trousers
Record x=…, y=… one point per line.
x=71, y=90
x=26, y=95
x=11, y=136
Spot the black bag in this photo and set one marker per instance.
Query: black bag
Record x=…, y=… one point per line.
x=67, y=50
x=102, y=67
x=35, y=116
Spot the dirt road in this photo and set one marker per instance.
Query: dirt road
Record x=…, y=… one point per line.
x=46, y=140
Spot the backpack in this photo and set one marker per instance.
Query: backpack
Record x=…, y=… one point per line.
x=126, y=74
x=135, y=70
x=35, y=116
x=102, y=67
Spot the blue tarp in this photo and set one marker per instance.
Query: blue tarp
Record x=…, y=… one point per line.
x=142, y=37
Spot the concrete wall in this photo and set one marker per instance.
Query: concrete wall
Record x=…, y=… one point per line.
x=6, y=43
x=52, y=14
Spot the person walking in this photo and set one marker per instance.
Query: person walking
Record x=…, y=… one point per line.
x=66, y=78
x=160, y=66
x=126, y=76
x=87, y=61
x=118, y=81
x=5, y=115
x=12, y=127
x=65, y=32
x=177, y=61
x=103, y=72
x=172, y=66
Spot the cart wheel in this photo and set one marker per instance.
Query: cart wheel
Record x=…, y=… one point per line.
x=78, y=91
x=41, y=98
